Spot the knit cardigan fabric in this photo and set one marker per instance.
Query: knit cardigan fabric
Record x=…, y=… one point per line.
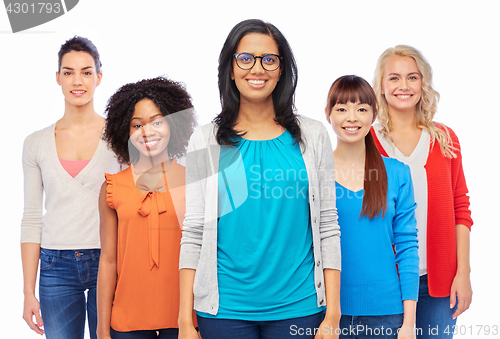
x=448, y=206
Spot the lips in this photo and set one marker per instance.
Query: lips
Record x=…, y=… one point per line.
x=403, y=96
x=150, y=144
x=78, y=92
x=257, y=83
x=351, y=129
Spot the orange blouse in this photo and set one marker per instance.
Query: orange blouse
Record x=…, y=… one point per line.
x=147, y=286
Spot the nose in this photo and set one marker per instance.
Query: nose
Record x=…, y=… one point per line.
x=148, y=130
x=404, y=84
x=257, y=67
x=351, y=115
x=77, y=79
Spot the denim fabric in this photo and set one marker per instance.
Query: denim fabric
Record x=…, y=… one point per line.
x=434, y=316
x=65, y=275
x=303, y=327
x=370, y=327
x=167, y=333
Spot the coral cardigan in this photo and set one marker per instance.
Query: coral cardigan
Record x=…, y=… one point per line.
x=447, y=206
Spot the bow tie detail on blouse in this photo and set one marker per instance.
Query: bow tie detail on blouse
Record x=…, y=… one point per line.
x=152, y=205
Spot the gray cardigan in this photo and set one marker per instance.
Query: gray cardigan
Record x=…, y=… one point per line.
x=199, y=236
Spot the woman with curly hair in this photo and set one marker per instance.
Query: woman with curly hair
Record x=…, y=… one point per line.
x=142, y=208
x=260, y=251
x=63, y=164
x=407, y=131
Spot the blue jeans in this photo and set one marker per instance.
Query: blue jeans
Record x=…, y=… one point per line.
x=65, y=275
x=166, y=333
x=434, y=316
x=303, y=327
x=367, y=327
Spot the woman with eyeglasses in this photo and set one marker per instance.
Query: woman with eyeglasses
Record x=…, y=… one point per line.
x=407, y=131
x=260, y=251
x=64, y=164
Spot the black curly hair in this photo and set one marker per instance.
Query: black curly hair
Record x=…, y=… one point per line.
x=169, y=96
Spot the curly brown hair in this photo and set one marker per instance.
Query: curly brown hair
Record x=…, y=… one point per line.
x=169, y=96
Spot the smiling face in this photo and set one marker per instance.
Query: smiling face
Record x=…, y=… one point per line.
x=149, y=131
x=351, y=122
x=256, y=84
x=78, y=78
x=402, y=84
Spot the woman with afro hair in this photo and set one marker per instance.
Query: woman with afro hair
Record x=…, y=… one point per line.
x=141, y=208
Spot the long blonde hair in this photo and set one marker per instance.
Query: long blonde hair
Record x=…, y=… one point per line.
x=426, y=107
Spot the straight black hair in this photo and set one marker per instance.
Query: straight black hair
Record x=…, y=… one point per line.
x=283, y=94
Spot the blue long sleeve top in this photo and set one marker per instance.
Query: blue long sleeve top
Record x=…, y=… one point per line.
x=371, y=248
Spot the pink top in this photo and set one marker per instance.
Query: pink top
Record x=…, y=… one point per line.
x=73, y=167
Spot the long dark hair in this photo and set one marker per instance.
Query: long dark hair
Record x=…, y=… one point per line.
x=351, y=88
x=283, y=94
x=80, y=44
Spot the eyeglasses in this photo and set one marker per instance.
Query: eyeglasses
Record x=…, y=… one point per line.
x=270, y=62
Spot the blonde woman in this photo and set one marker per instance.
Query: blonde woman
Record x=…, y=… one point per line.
x=406, y=131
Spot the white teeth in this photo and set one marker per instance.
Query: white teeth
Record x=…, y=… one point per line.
x=351, y=129
x=404, y=96
x=256, y=82
x=78, y=92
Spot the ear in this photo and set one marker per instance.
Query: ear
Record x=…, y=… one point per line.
x=327, y=114
x=232, y=75
x=58, y=78
x=99, y=78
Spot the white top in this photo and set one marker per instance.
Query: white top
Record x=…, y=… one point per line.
x=416, y=161
x=71, y=220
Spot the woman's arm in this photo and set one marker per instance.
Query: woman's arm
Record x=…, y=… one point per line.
x=106, y=278
x=186, y=326
x=330, y=324
x=30, y=254
x=407, y=331
x=461, y=286
x=31, y=231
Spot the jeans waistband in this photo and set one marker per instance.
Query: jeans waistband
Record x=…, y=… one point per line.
x=85, y=254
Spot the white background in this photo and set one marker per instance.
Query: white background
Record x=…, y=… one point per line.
x=182, y=40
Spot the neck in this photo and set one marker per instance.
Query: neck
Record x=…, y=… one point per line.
x=145, y=163
x=79, y=115
x=256, y=113
x=350, y=153
x=403, y=120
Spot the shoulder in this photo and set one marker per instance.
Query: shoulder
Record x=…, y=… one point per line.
x=204, y=134
x=307, y=124
x=396, y=169
x=313, y=131
x=447, y=130
x=39, y=135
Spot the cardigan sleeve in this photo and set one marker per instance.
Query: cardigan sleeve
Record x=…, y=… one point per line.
x=196, y=176
x=461, y=199
x=31, y=224
x=328, y=228
x=405, y=235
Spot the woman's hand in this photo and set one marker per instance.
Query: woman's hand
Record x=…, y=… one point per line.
x=461, y=289
x=188, y=332
x=328, y=329
x=32, y=308
x=406, y=332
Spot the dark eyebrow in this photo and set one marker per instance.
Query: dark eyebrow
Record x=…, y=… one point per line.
x=73, y=69
x=150, y=118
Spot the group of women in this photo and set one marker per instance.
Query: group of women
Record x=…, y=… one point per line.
x=254, y=219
